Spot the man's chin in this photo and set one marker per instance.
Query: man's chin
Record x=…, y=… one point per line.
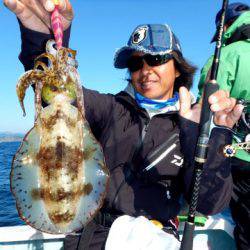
x=150, y=95
x=153, y=95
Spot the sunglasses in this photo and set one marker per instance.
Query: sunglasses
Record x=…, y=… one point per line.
x=136, y=62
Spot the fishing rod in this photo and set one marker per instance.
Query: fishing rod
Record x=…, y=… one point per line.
x=204, y=134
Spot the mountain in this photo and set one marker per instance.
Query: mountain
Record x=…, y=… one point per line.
x=10, y=137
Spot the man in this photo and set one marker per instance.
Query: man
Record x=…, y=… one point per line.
x=147, y=130
x=234, y=76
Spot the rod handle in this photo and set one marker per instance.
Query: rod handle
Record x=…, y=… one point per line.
x=205, y=123
x=188, y=234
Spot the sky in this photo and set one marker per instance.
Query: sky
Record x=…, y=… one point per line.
x=99, y=28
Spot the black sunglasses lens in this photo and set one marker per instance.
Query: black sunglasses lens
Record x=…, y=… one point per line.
x=157, y=59
x=135, y=63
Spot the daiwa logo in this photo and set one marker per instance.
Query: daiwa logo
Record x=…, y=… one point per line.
x=139, y=35
x=178, y=161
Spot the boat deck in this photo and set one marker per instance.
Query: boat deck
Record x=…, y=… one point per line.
x=217, y=234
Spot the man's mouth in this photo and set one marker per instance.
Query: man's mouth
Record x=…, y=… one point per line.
x=147, y=84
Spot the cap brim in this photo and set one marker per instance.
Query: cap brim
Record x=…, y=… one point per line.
x=121, y=57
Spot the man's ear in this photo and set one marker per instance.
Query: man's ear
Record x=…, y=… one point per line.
x=177, y=73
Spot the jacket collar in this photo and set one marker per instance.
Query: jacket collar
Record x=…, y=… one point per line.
x=130, y=98
x=243, y=19
x=127, y=96
x=241, y=33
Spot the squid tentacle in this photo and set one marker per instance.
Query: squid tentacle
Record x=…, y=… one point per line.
x=52, y=60
x=73, y=53
x=42, y=65
x=28, y=78
x=50, y=47
x=38, y=99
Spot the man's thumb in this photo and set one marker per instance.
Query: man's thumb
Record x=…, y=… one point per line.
x=49, y=5
x=185, y=101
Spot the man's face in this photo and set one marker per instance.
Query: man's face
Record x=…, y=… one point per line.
x=155, y=82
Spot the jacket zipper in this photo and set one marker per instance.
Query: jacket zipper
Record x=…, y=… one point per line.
x=144, y=129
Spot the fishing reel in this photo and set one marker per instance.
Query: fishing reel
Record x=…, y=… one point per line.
x=241, y=132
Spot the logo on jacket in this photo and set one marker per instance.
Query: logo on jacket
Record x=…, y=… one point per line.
x=178, y=161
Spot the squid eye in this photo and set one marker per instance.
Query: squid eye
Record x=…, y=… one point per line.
x=70, y=54
x=53, y=88
x=54, y=46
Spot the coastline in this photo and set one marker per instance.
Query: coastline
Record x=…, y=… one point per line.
x=11, y=137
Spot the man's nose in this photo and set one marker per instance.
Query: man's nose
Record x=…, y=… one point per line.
x=146, y=68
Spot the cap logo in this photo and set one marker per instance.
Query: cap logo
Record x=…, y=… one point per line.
x=139, y=35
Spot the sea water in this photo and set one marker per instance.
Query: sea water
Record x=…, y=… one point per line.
x=8, y=212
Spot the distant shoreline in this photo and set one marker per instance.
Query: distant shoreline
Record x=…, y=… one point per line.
x=11, y=137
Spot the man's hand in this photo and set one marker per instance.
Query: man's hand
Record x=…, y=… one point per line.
x=226, y=112
x=35, y=14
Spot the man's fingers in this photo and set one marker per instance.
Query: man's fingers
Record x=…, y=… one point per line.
x=48, y=5
x=31, y=13
x=225, y=104
x=236, y=113
x=220, y=101
x=66, y=10
x=18, y=8
x=228, y=118
x=185, y=100
x=38, y=9
x=62, y=5
x=15, y=6
x=217, y=96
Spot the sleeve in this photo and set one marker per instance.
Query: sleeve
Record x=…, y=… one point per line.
x=216, y=181
x=98, y=109
x=33, y=44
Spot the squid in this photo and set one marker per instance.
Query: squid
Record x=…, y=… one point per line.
x=58, y=176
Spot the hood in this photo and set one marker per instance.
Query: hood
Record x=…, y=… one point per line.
x=243, y=19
